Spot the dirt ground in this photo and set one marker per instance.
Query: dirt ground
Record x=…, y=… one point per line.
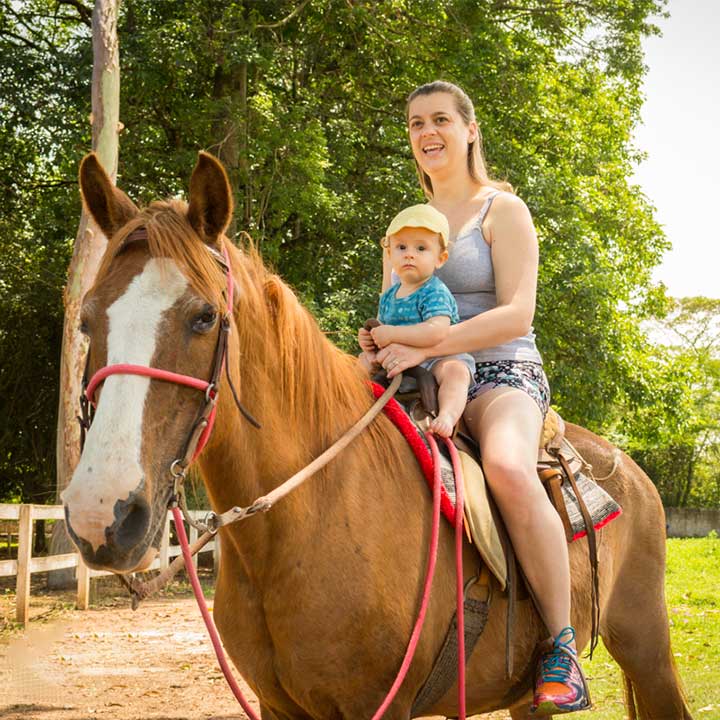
x=110, y=662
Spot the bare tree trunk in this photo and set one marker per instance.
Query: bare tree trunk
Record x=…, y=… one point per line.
x=230, y=130
x=89, y=247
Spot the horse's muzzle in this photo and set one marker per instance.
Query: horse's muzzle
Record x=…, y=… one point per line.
x=126, y=541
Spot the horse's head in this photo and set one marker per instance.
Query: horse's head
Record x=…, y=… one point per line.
x=157, y=302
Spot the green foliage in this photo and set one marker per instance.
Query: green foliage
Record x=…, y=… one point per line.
x=43, y=129
x=676, y=439
x=304, y=103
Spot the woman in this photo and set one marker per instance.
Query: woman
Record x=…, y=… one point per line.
x=492, y=272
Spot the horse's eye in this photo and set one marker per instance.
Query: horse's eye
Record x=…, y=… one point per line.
x=206, y=320
x=84, y=327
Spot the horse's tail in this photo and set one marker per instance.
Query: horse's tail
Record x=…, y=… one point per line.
x=681, y=688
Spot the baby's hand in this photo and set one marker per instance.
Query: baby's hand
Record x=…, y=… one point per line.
x=382, y=335
x=366, y=342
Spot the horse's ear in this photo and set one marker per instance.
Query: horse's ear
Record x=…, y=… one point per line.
x=211, y=202
x=111, y=208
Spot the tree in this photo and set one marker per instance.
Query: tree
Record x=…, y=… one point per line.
x=88, y=250
x=89, y=243
x=304, y=102
x=678, y=442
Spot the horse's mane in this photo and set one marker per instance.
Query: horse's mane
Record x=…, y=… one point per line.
x=314, y=382
x=294, y=366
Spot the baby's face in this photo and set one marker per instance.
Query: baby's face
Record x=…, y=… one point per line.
x=415, y=253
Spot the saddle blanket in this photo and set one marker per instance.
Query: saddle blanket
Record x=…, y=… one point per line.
x=603, y=509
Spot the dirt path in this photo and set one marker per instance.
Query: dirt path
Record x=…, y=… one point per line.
x=109, y=662
x=113, y=663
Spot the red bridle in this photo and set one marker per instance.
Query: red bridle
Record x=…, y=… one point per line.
x=200, y=432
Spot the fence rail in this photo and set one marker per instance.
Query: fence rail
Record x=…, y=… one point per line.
x=26, y=564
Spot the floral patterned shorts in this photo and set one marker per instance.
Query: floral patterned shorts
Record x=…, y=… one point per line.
x=521, y=374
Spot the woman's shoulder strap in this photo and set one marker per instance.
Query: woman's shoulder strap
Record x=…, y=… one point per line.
x=486, y=207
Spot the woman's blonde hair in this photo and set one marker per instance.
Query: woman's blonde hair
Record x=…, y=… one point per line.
x=476, y=159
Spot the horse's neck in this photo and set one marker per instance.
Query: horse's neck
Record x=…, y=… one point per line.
x=305, y=394
x=238, y=471
x=243, y=463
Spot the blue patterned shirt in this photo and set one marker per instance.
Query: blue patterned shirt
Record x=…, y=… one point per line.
x=432, y=299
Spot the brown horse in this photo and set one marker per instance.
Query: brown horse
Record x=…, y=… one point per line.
x=315, y=600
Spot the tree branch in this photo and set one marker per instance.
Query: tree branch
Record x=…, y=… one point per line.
x=286, y=19
x=23, y=40
x=84, y=12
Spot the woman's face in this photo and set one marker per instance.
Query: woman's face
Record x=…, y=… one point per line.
x=439, y=136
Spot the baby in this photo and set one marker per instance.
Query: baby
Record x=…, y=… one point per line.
x=419, y=309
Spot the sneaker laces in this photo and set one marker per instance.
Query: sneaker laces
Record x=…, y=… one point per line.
x=557, y=664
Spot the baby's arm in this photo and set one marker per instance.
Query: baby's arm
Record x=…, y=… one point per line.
x=424, y=334
x=365, y=341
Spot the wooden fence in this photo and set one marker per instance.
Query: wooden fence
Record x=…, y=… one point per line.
x=26, y=564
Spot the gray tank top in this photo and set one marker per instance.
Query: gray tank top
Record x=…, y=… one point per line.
x=469, y=275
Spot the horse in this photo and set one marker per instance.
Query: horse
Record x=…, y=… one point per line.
x=314, y=600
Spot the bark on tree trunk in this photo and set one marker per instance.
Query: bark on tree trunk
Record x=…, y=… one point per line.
x=89, y=247
x=230, y=130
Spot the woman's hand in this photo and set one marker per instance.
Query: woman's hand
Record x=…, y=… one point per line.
x=396, y=358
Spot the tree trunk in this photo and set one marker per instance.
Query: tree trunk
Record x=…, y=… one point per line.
x=89, y=247
x=230, y=130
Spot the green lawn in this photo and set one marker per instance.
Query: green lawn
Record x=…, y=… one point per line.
x=693, y=597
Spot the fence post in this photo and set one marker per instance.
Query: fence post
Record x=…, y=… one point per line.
x=192, y=538
x=165, y=543
x=25, y=537
x=216, y=552
x=83, y=580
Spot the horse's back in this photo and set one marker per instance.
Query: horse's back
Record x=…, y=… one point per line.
x=617, y=473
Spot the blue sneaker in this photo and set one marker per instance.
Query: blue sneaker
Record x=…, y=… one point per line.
x=560, y=686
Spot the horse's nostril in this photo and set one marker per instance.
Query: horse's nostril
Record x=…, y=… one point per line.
x=132, y=523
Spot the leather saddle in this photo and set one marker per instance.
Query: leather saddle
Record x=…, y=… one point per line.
x=557, y=462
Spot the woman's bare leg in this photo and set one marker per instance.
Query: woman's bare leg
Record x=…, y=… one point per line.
x=507, y=424
x=453, y=378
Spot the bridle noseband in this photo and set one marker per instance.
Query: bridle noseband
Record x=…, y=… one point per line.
x=202, y=427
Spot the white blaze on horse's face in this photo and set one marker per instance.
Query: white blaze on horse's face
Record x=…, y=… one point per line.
x=110, y=468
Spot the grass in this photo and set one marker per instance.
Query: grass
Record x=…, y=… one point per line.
x=693, y=597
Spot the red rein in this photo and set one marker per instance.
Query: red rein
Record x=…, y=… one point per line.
x=429, y=575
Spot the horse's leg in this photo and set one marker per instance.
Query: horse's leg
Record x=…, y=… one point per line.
x=636, y=632
x=634, y=623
